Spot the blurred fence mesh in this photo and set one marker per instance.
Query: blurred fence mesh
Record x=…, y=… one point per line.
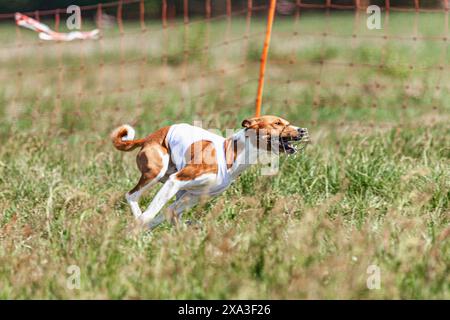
x=201, y=58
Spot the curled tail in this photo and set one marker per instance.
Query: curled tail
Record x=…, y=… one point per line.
x=123, y=138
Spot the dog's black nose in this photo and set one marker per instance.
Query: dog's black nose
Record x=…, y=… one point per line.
x=302, y=131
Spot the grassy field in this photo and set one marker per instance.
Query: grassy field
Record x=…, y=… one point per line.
x=373, y=187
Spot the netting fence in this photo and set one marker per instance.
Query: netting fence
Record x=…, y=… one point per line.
x=201, y=59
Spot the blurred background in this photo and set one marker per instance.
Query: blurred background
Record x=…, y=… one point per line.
x=195, y=6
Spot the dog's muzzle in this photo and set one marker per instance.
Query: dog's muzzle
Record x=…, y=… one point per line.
x=290, y=145
x=302, y=133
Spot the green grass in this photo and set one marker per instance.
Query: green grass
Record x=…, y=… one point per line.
x=373, y=188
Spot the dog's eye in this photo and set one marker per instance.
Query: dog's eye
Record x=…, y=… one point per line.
x=278, y=123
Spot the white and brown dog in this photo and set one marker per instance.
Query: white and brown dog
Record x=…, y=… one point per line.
x=193, y=162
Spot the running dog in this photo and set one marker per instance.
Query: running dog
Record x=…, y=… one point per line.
x=192, y=162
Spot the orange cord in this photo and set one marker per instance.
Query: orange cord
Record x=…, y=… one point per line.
x=262, y=68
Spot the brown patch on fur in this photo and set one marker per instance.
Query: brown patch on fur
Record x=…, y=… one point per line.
x=192, y=171
x=201, y=152
x=150, y=163
x=201, y=159
x=159, y=137
x=149, y=160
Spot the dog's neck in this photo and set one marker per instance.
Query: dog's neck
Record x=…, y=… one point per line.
x=240, y=153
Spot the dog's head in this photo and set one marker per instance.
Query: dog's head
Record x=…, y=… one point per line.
x=273, y=128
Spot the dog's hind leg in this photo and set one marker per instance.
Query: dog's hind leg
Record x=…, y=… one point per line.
x=153, y=163
x=183, y=203
x=161, y=217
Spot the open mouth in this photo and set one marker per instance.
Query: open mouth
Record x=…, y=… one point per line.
x=290, y=145
x=287, y=146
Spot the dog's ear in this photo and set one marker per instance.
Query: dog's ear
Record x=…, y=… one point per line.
x=249, y=123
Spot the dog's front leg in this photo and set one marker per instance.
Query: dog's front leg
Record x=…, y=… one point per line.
x=133, y=201
x=168, y=190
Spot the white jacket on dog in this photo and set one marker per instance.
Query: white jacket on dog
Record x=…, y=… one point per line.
x=181, y=136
